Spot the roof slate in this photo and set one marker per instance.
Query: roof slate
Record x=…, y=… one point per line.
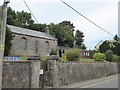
x=23, y=31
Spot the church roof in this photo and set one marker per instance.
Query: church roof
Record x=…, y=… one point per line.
x=33, y=33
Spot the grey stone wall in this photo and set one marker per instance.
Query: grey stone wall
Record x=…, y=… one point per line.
x=21, y=74
x=65, y=73
x=34, y=46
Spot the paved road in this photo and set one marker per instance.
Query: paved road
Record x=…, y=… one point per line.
x=105, y=82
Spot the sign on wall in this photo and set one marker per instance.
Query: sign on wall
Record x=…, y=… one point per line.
x=12, y=58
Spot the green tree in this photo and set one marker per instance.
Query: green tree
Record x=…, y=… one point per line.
x=104, y=47
x=23, y=19
x=116, y=48
x=8, y=38
x=20, y=19
x=69, y=29
x=110, y=45
x=83, y=46
x=116, y=38
x=11, y=16
x=109, y=55
x=58, y=32
x=68, y=25
x=79, y=38
x=69, y=40
x=99, y=57
x=38, y=27
x=65, y=38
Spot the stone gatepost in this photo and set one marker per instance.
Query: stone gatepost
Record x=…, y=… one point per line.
x=35, y=69
x=53, y=73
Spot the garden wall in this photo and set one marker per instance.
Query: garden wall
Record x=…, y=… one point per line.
x=21, y=74
x=65, y=73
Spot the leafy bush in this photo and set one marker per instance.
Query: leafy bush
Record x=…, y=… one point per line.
x=44, y=63
x=115, y=58
x=73, y=55
x=109, y=55
x=99, y=57
x=53, y=52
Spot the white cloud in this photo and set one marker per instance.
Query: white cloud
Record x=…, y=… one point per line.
x=106, y=18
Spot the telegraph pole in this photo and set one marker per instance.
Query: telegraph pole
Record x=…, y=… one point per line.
x=119, y=19
x=3, y=19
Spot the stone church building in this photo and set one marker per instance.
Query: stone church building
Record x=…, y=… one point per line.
x=31, y=43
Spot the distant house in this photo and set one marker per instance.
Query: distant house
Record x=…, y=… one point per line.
x=98, y=45
x=85, y=54
x=29, y=42
x=101, y=42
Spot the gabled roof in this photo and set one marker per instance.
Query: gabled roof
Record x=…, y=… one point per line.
x=28, y=32
x=101, y=42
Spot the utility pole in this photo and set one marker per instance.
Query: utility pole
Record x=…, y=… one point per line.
x=3, y=19
x=119, y=19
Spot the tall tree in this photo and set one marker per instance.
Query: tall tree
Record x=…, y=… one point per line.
x=20, y=19
x=11, y=16
x=79, y=38
x=69, y=29
x=116, y=37
x=38, y=27
x=116, y=48
x=8, y=44
x=68, y=25
x=104, y=47
x=58, y=32
x=110, y=45
x=23, y=19
x=64, y=37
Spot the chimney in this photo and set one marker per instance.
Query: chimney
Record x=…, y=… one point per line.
x=47, y=30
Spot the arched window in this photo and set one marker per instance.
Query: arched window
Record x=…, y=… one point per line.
x=23, y=43
x=47, y=47
x=36, y=47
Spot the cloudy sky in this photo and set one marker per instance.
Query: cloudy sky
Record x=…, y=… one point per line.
x=102, y=12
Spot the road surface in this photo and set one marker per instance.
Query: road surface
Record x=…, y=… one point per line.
x=105, y=82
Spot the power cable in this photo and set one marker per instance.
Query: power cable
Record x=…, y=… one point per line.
x=30, y=10
x=87, y=18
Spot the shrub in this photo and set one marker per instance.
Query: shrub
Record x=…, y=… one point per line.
x=115, y=58
x=109, y=55
x=53, y=52
x=44, y=63
x=99, y=57
x=73, y=55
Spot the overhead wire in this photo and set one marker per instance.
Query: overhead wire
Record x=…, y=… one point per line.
x=30, y=10
x=86, y=18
